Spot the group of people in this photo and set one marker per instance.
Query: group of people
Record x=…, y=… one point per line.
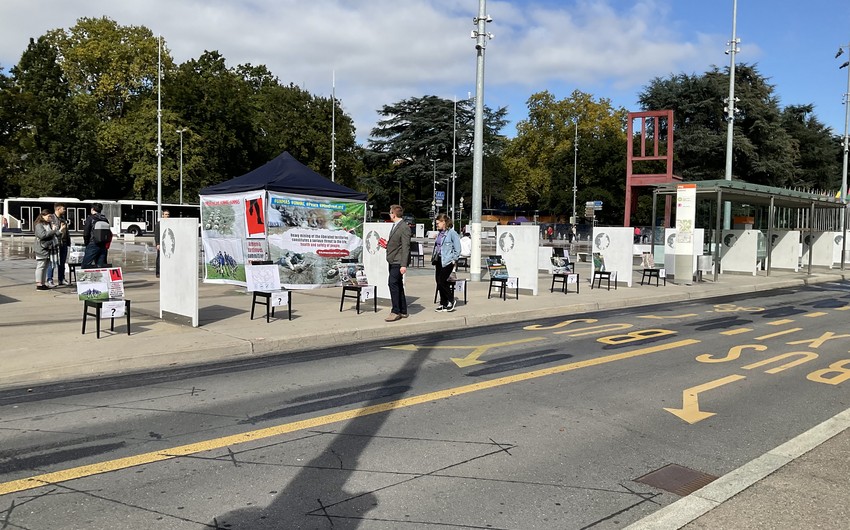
x=447, y=250
x=52, y=242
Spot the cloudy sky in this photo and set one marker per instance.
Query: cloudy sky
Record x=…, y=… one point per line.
x=384, y=50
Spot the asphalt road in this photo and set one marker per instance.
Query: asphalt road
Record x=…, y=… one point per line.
x=546, y=424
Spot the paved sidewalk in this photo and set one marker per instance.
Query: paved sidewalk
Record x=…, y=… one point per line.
x=41, y=343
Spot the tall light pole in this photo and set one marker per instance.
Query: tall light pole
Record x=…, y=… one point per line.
x=846, y=123
x=159, y=129
x=575, y=174
x=180, y=131
x=730, y=109
x=434, y=195
x=399, y=191
x=480, y=35
x=333, y=130
x=454, y=157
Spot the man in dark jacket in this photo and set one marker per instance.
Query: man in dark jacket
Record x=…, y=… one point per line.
x=398, y=256
x=96, y=235
x=59, y=222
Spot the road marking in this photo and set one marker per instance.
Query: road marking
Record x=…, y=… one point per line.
x=815, y=314
x=780, y=322
x=736, y=331
x=311, y=423
x=690, y=411
x=469, y=360
x=778, y=333
x=478, y=351
x=661, y=317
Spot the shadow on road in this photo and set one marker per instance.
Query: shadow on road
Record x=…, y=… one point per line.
x=309, y=499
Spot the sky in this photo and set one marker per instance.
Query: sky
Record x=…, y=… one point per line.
x=378, y=52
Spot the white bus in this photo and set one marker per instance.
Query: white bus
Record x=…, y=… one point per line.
x=130, y=216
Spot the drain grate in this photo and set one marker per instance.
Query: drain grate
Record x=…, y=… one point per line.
x=677, y=479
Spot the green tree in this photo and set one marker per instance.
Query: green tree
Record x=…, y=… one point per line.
x=817, y=151
x=540, y=159
x=414, y=142
x=763, y=151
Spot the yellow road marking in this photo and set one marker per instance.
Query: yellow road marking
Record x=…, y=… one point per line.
x=780, y=322
x=778, y=333
x=843, y=308
x=661, y=317
x=690, y=411
x=736, y=331
x=478, y=351
x=815, y=314
x=310, y=423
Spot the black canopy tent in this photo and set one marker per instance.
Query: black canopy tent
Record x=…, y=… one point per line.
x=744, y=192
x=285, y=174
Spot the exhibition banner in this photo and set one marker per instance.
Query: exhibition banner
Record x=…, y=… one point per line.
x=308, y=236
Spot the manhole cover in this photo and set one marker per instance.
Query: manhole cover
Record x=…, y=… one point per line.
x=677, y=479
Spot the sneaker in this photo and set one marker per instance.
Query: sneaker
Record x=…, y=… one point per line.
x=50, y=284
x=451, y=306
x=42, y=288
x=440, y=309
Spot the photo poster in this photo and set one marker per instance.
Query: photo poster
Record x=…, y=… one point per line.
x=100, y=284
x=255, y=224
x=262, y=277
x=308, y=236
x=224, y=232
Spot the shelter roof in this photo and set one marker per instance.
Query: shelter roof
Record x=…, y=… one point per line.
x=285, y=174
x=745, y=192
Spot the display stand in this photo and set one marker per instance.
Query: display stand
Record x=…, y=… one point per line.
x=97, y=305
x=502, y=285
x=355, y=291
x=563, y=278
x=649, y=274
x=264, y=298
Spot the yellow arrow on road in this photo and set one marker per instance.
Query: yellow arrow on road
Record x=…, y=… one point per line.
x=472, y=358
x=690, y=411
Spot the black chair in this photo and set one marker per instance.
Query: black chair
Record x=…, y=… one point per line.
x=417, y=255
x=97, y=305
x=499, y=278
x=354, y=291
x=452, y=284
x=563, y=278
x=599, y=273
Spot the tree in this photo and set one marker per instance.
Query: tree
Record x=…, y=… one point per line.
x=817, y=150
x=415, y=140
x=763, y=150
x=540, y=159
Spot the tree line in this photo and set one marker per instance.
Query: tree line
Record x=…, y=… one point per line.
x=78, y=117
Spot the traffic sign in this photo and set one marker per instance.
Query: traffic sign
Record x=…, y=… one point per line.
x=440, y=195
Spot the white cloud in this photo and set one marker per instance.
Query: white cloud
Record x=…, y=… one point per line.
x=386, y=50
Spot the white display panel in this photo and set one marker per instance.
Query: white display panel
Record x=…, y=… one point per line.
x=375, y=257
x=821, y=248
x=178, y=282
x=615, y=245
x=518, y=246
x=739, y=250
x=785, y=250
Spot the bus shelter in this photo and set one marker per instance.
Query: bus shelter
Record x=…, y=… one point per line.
x=803, y=210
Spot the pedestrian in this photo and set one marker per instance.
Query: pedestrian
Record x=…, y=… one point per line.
x=397, y=245
x=96, y=235
x=573, y=234
x=465, y=245
x=156, y=238
x=60, y=222
x=444, y=258
x=549, y=233
x=46, y=248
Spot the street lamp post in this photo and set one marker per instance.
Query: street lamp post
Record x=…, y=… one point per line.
x=399, y=191
x=434, y=195
x=454, y=157
x=180, y=132
x=480, y=35
x=730, y=109
x=460, y=216
x=846, y=64
x=575, y=174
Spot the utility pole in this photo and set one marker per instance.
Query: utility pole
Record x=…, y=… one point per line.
x=730, y=110
x=480, y=35
x=575, y=175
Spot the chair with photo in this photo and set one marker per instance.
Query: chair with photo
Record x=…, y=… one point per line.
x=499, y=278
x=600, y=273
x=563, y=273
x=264, y=297
x=650, y=271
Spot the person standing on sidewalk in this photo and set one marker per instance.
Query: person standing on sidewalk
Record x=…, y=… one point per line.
x=397, y=245
x=46, y=248
x=156, y=236
x=59, y=222
x=446, y=253
x=96, y=235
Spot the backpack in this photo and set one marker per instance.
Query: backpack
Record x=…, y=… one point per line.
x=101, y=232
